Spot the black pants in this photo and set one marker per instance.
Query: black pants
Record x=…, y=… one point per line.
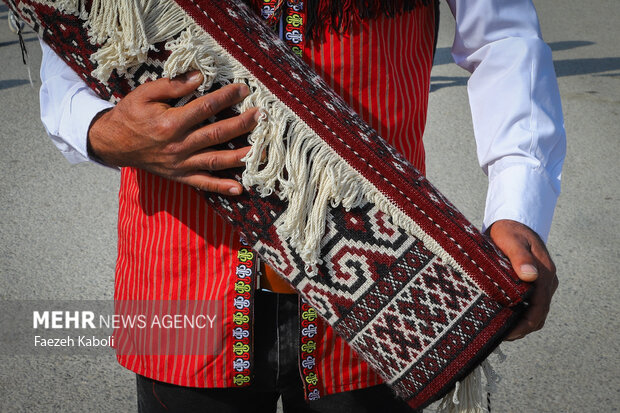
x=276, y=374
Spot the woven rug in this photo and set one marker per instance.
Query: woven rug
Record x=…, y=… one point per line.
x=381, y=255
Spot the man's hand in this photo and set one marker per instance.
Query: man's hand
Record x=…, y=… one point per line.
x=143, y=131
x=532, y=263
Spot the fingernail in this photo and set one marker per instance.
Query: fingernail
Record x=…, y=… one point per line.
x=529, y=269
x=234, y=190
x=257, y=115
x=244, y=90
x=194, y=76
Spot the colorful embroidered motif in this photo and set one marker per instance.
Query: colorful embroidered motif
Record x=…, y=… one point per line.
x=291, y=16
x=294, y=23
x=271, y=11
x=309, y=328
x=243, y=314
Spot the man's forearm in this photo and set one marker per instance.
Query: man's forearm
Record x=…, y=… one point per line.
x=68, y=106
x=515, y=107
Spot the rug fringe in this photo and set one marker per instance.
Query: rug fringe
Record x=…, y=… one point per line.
x=468, y=394
x=466, y=397
x=128, y=29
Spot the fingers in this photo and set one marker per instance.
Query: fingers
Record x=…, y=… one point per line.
x=205, y=182
x=198, y=165
x=534, y=317
x=539, y=250
x=524, y=263
x=169, y=143
x=163, y=89
x=532, y=263
x=215, y=160
x=515, y=241
x=523, y=328
x=206, y=106
x=221, y=131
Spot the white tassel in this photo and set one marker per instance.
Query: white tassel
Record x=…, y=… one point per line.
x=128, y=29
x=190, y=52
x=468, y=395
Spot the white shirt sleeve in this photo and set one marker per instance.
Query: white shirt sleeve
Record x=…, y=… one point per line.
x=516, y=108
x=68, y=106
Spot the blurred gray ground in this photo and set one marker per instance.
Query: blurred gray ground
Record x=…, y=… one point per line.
x=58, y=226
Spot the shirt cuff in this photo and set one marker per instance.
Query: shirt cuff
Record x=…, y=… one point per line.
x=522, y=193
x=80, y=111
